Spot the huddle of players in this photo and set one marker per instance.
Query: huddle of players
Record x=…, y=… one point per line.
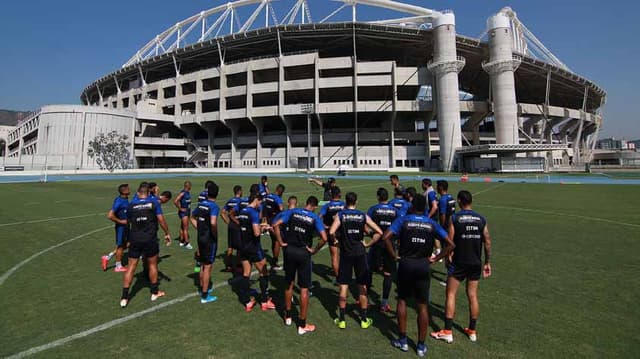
x=401, y=226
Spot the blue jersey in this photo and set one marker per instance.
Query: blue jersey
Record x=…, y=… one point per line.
x=203, y=196
x=241, y=204
x=329, y=210
x=401, y=205
x=142, y=216
x=185, y=200
x=446, y=207
x=271, y=205
x=416, y=235
x=150, y=197
x=352, y=223
x=231, y=203
x=431, y=196
x=383, y=214
x=263, y=190
x=247, y=217
x=206, y=210
x=468, y=237
x=301, y=224
x=119, y=208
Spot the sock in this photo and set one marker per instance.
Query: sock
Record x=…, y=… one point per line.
x=125, y=293
x=154, y=288
x=386, y=288
x=244, y=290
x=363, y=315
x=287, y=313
x=421, y=344
x=204, y=294
x=302, y=322
x=264, y=285
x=110, y=255
x=472, y=323
x=342, y=310
x=448, y=323
x=118, y=264
x=403, y=336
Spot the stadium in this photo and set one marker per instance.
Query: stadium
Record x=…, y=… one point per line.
x=241, y=86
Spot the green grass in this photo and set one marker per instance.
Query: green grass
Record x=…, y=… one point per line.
x=565, y=281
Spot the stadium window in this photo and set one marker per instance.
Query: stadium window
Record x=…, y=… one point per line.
x=420, y=163
x=114, y=104
x=413, y=163
x=169, y=92
x=125, y=102
x=152, y=94
x=406, y=163
x=379, y=162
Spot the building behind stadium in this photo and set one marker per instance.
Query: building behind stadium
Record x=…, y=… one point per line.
x=246, y=85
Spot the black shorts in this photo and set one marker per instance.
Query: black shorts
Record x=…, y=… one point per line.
x=414, y=279
x=379, y=256
x=464, y=271
x=353, y=264
x=233, y=238
x=253, y=256
x=208, y=250
x=147, y=249
x=297, y=260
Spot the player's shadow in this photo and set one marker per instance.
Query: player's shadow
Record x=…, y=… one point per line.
x=322, y=271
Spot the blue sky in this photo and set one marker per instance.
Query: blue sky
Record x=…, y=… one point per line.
x=52, y=49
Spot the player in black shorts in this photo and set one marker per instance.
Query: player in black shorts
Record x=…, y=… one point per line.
x=143, y=217
x=205, y=219
x=416, y=235
x=383, y=214
x=233, y=229
x=353, y=225
x=251, y=252
x=328, y=213
x=468, y=234
x=272, y=205
x=301, y=223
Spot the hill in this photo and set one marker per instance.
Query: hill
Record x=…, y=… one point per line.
x=10, y=118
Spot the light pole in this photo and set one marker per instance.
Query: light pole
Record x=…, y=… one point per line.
x=307, y=109
x=46, y=154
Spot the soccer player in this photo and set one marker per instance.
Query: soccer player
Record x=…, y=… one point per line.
x=416, y=234
x=205, y=219
x=264, y=186
x=432, y=198
x=203, y=195
x=395, y=182
x=118, y=215
x=183, y=203
x=353, y=224
x=271, y=206
x=331, y=182
x=399, y=203
x=446, y=203
x=233, y=230
x=468, y=234
x=143, y=216
x=301, y=223
x=383, y=214
x=251, y=253
x=327, y=213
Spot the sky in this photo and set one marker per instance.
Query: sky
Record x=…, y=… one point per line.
x=51, y=50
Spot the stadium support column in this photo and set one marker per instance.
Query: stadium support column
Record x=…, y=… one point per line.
x=501, y=67
x=445, y=66
x=211, y=134
x=394, y=114
x=355, y=98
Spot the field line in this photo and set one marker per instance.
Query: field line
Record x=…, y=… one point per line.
x=598, y=219
x=115, y=322
x=8, y=273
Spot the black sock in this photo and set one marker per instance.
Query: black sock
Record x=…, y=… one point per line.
x=204, y=294
x=244, y=290
x=386, y=287
x=287, y=313
x=342, y=310
x=363, y=314
x=472, y=323
x=154, y=288
x=302, y=322
x=448, y=323
x=125, y=293
x=264, y=285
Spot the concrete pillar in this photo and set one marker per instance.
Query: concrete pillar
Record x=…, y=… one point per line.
x=392, y=140
x=320, y=141
x=287, y=125
x=445, y=67
x=259, y=124
x=211, y=132
x=501, y=67
x=234, y=128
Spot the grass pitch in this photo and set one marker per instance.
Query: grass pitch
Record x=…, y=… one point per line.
x=565, y=281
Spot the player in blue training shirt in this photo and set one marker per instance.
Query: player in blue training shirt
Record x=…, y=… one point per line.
x=183, y=203
x=399, y=203
x=203, y=195
x=383, y=214
x=446, y=204
x=251, y=253
x=233, y=230
x=143, y=217
x=271, y=206
x=118, y=215
x=299, y=226
x=327, y=213
x=205, y=219
x=468, y=234
x=353, y=225
x=263, y=187
x=416, y=235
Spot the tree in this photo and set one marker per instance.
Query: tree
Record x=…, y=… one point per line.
x=111, y=151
